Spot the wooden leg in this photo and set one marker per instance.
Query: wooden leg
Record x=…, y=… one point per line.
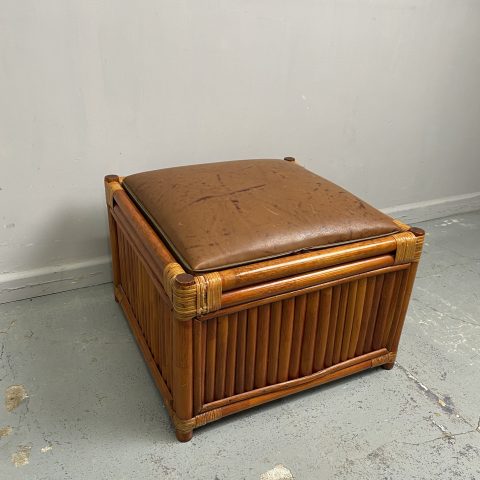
x=114, y=249
x=117, y=293
x=388, y=366
x=182, y=374
x=184, y=436
x=390, y=361
x=183, y=363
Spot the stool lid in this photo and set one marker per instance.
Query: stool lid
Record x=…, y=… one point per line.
x=219, y=215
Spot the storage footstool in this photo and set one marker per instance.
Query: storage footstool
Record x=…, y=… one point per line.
x=250, y=280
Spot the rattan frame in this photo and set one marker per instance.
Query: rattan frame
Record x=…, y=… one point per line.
x=179, y=319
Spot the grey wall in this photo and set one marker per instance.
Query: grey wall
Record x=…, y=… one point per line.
x=379, y=96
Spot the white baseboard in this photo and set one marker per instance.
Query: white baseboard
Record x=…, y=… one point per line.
x=412, y=213
x=44, y=281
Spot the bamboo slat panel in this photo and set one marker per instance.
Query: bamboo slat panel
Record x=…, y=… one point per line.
x=298, y=336
x=151, y=311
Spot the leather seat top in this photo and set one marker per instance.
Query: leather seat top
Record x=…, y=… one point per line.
x=220, y=215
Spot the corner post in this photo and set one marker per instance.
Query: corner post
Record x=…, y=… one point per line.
x=112, y=183
x=392, y=345
x=183, y=288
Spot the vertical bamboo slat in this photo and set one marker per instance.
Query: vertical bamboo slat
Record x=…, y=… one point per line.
x=367, y=308
x=241, y=352
x=286, y=334
x=332, y=325
x=221, y=356
x=347, y=330
x=143, y=305
x=398, y=309
x=357, y=316
x=382, y=315
x=373, y=314
x=161, y=335
x=140, y=296
x=199, y=331
x=396, y=299
x=342, y=310
x=274, y=342
x=322, y=329
x=231, y=355
x=168, y=348
x=410, y=274
x=153, y=320
x=262, y=346
x=161, y=340
x=251, y=352
x=311, y=318
x=297, y=337
x=211, y=347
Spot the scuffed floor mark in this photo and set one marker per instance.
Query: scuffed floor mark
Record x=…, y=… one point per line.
x=21, y=456
x=46, y=449
x=14, y=396
x=448, y=435
x=279, y=472
x=457, y=315
x=448, y=221
x=12, y=323
x=445, y=403
x=5, y=431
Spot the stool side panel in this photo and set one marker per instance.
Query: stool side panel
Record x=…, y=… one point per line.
x=149, y=308
x=299, y=337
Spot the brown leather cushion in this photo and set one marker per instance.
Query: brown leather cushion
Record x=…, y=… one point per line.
x=219, y=215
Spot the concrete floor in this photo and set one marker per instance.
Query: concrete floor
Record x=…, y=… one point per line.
x=93, y=411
